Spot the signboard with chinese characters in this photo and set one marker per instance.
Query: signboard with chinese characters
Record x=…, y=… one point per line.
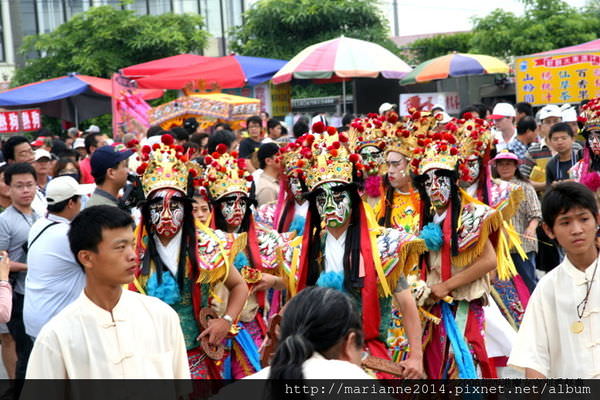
x=425, y=102
x=20, y=121
x=558, y=79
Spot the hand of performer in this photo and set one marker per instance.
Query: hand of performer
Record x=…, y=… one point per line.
x=530, y=233
x=413, y=368
x=439, y=291
x=267, y=282
x=216, y=331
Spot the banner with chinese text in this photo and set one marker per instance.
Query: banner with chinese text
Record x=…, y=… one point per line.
x=558, y=79
x=20, y=121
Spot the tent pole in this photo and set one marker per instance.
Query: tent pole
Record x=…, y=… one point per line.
x=76, y=116
x=344, y=96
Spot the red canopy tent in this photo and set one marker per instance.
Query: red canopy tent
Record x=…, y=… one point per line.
x=594, y=45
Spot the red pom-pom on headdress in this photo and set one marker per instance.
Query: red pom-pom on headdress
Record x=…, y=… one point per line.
x=318, y=127
x=167, y=139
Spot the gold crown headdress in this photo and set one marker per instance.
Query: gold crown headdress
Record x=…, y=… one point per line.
x=474, y=138
x=369, y=131
x=292, y=160
x=401, y=138
x=590, y=115
x=224, y=174
x=329, y=157
x=164, y=166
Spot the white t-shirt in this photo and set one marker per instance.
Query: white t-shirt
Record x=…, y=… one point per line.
x=334, y=252
x=140, y=339
x=545, y=342
x=54, y=279
x=318, y=367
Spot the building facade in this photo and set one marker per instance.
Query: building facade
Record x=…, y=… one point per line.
x=20, y=18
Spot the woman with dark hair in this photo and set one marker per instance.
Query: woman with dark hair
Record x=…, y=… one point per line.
x=67, y=167
x=320, y=338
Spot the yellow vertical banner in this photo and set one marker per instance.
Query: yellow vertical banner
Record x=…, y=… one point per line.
x=281, y=99
x=557, y=78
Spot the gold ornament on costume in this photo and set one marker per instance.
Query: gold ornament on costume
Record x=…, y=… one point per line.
x=224, y=174
x=293, y=163
x=329, y=157
x=474, y=138
x=590, y=115
x=164, y=166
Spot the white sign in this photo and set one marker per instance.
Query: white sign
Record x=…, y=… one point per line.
x=425, y=102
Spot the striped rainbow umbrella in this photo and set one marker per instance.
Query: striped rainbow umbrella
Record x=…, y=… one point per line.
x=455, y=64
x=342, y=57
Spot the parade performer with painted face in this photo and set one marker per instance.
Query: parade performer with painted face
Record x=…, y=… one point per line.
x=587, y=170
x=288, y=213
x=353, y=253
x=459, y=232
x=180, y=260
x=370, y=134
x=260, y=260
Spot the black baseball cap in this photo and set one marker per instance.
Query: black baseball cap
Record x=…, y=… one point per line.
x=106, y=157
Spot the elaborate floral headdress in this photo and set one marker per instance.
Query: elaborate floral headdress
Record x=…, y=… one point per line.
x=369, y=131
x=401, y=138
x=329, y=157
x=164, y=166
x=440, y=153
x=292, y=160
x=475, y=141
x=590, y=115
x=224, y=174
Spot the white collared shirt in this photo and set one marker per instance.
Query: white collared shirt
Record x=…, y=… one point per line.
x=169, y=254
x=502, y=145
x=140, y=339
x=334, y=252
x=545, y=341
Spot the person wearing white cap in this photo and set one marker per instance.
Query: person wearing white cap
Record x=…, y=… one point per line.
x=54, y=279
x=569, y=116
x=42, y=163
x=504, y=115
x=386, y=107
x=79, y=147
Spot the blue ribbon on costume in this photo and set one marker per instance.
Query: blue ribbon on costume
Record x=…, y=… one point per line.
x=249, y=348
x=241, y=261
x=331, y=279
x=167, y=290
x=432, y=235
x=227, y=363
x=462, y=355
x=297, y=225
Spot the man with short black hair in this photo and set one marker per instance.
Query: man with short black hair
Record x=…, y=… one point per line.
x=523, y=110
x=561, y=138
x=17, y=149
x=267, y=185
x=273, y=131
x=109, y=332
x=54, y=280
x=526, y=134
x=15, y=223
x=93, y=141
x=109, y=168
x=250, y=144
x=222, y=136
x=558, y=337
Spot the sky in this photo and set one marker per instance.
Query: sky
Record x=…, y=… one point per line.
x=433, y=16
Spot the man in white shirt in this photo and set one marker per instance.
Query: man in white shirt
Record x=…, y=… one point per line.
x=109, y=332
x=54, y=279
x=558, y=337
x=503, y=116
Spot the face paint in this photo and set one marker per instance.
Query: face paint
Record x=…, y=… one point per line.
x=594, y=142
x=373, y=158
x=438, y=189
x=233, y=208
x=166, y=214
x=334, y=207
x=296, y=189
x=474, y=167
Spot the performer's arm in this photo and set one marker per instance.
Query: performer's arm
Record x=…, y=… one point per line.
x=238, y=294
x=269, y=281
x=413, y=365
x=485, y=263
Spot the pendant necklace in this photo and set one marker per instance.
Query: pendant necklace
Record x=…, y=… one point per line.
x=577, y=326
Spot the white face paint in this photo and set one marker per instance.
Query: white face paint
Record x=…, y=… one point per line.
x=373, y=158
x=296, y=189
x=233, y=208
x=166, y=213
x=594, y=142
x=474, y=167
x=438, y=189
x=334, y=206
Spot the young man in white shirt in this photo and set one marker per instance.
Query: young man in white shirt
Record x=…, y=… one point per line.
x=109, y=332
x=558, y=337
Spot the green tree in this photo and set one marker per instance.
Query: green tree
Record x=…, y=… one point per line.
x=546, y=25
x=439, y=45
x=102, y=40
x=282, y=28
